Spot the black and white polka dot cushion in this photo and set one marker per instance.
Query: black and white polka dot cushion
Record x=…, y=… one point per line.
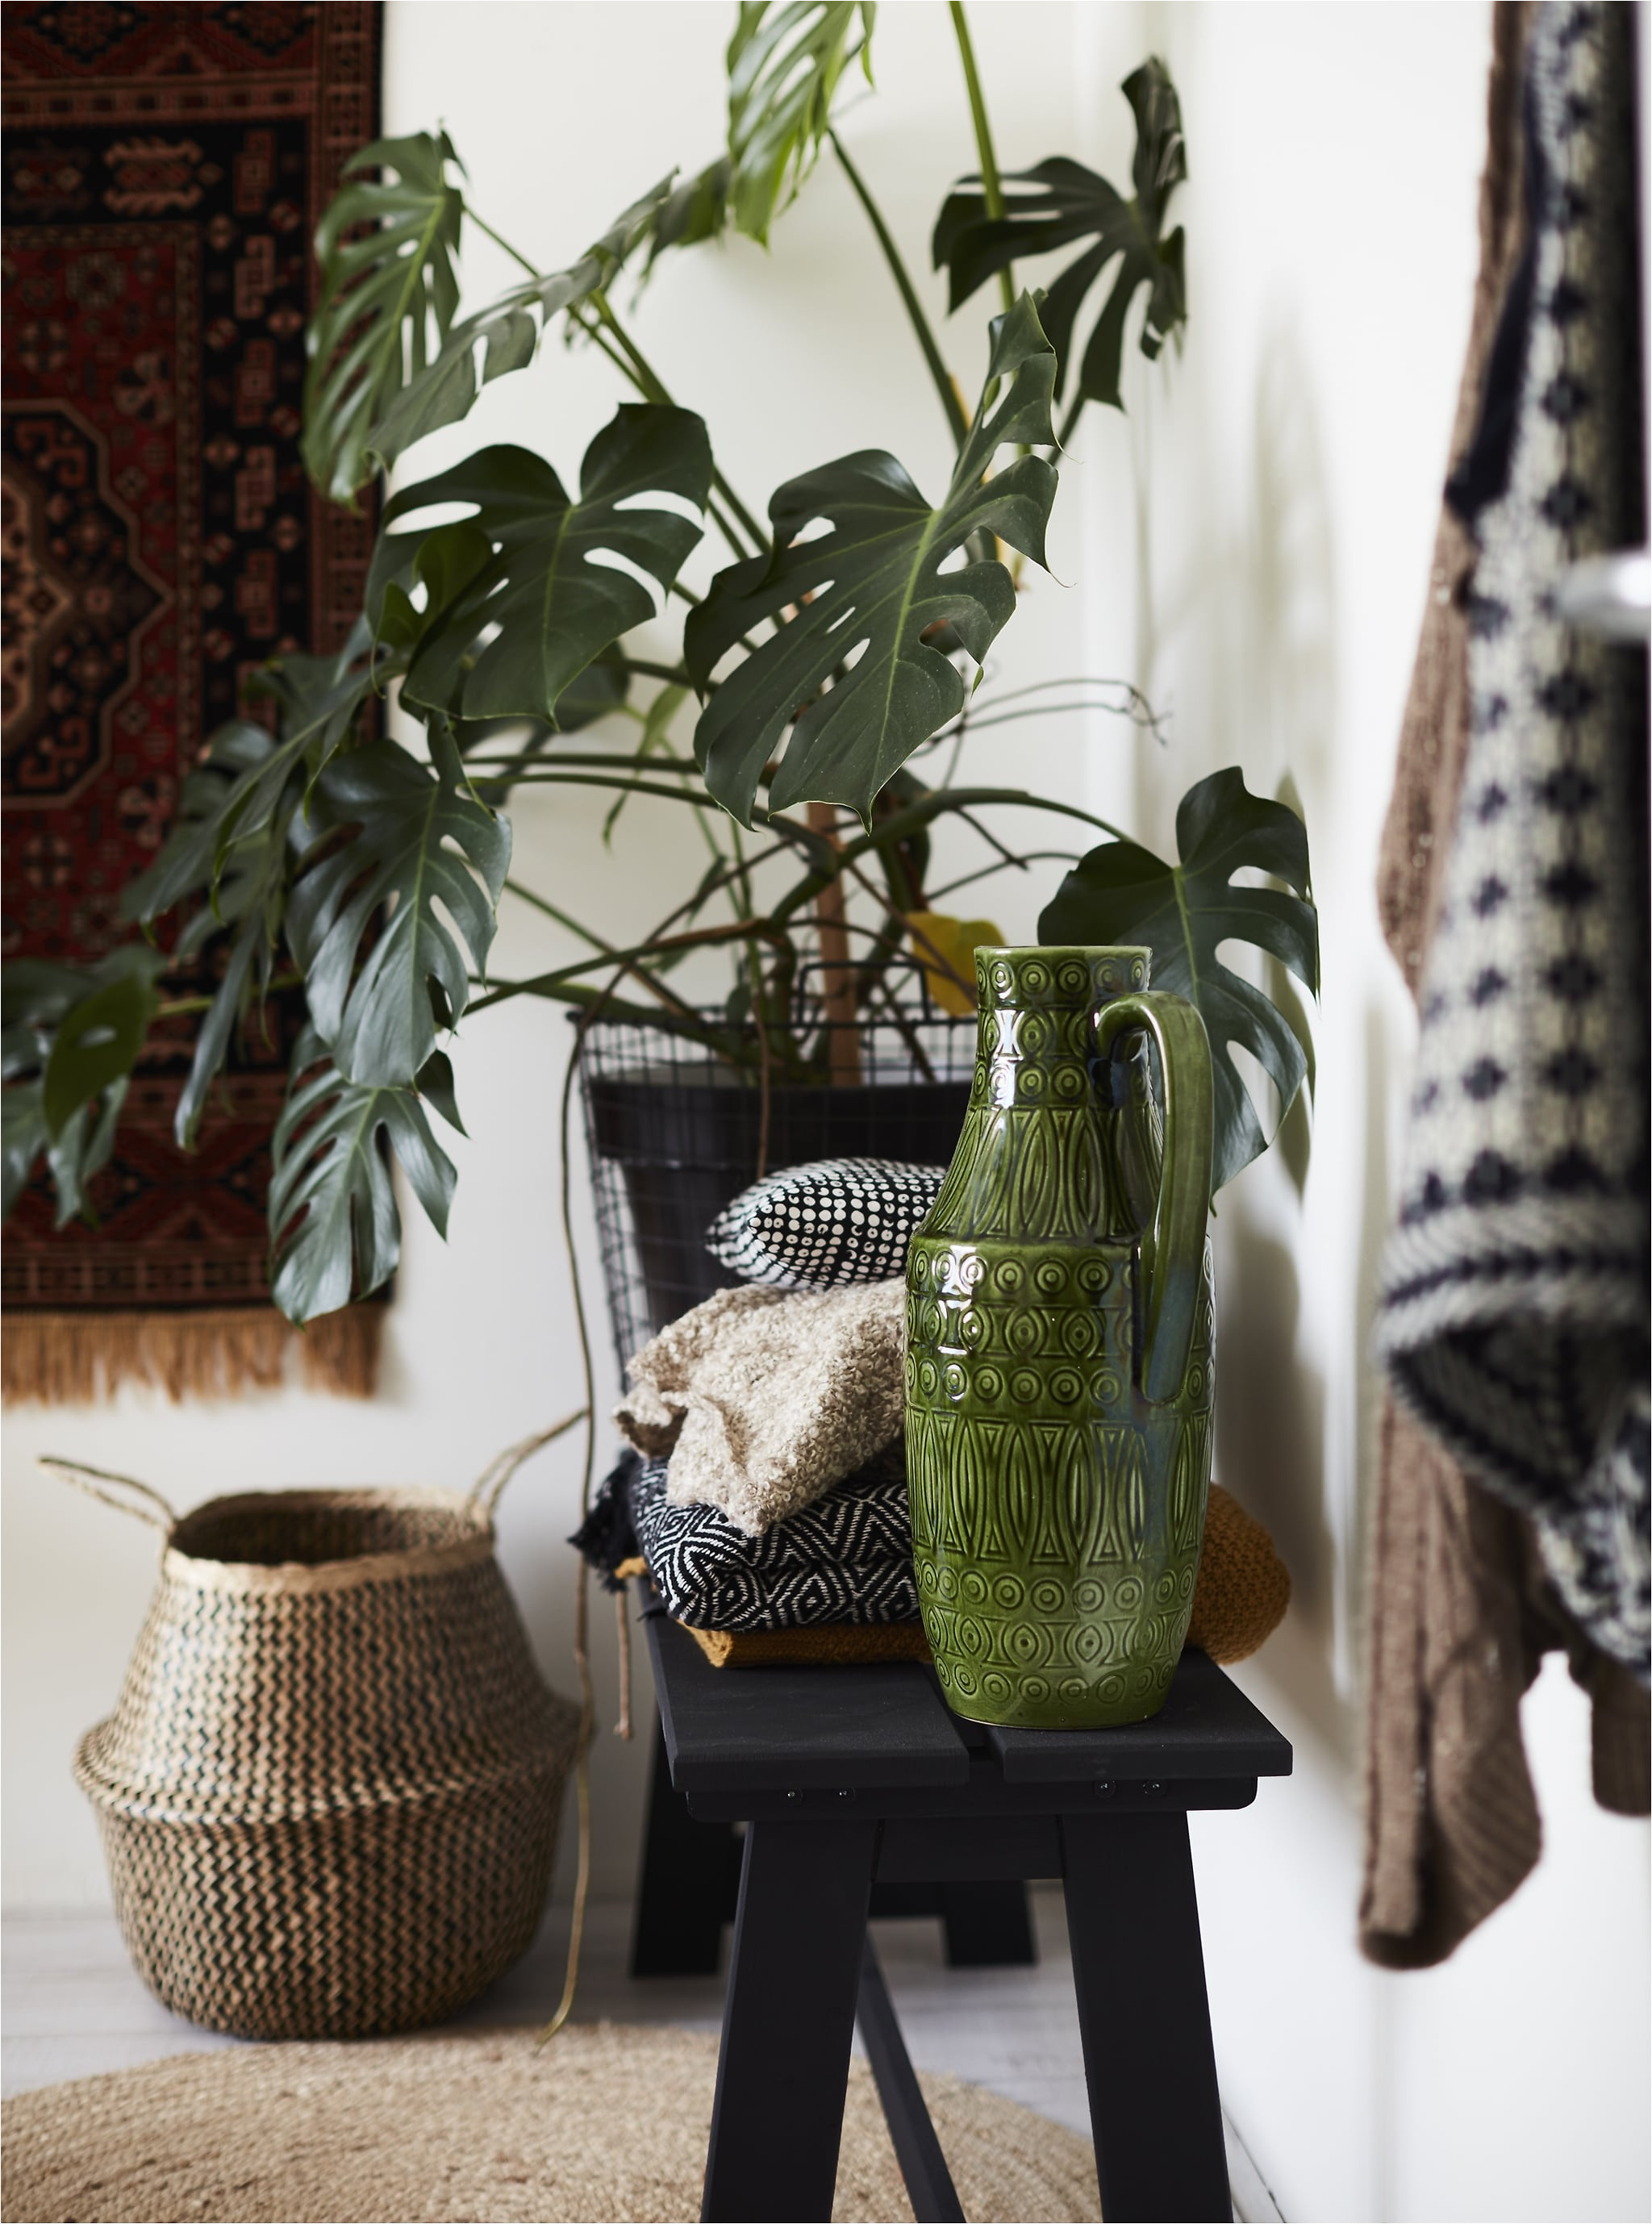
x=814, y=1227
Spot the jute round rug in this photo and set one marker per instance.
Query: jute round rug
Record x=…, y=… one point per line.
x=605, y=2126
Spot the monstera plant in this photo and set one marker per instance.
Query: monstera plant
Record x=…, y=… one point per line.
x=827, y=677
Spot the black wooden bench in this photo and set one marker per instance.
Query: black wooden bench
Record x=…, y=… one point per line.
x=852, y=1779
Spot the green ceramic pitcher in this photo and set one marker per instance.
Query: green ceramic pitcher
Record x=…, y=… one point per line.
x=1059, y=1341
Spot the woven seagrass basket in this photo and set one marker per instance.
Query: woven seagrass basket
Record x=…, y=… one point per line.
x=328, y=1794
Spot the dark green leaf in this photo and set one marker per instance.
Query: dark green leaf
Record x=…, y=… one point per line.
x=82, y=1152
x=505, y=336
x=424, y=851
x=536, y=566
x=34, y=997
x=68, y=1029
x=23, y=1138
x=695, y=211
x=248, y=900
x=593, y=694
x=435, y=1087
x=783, y=67
x=600, y=690
x=1061, y=201
x=37, y=997
x=870, y=589
x=238, y=822
x=335, y=1231
x=248, y=959
x=321, y=700
x=189, y=862
x=97, y=1046
x=388, y=297
x=96, y=1041
x=226, y=826
x=1121, y=893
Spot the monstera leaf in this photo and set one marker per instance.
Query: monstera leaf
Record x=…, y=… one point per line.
x=783, y=67
x=69, y=1038
x=320, y=699
x=388, y=293
x=1061, y=201
x=246, y=889
x=423, y=846
x=335, y=1232
x=695, y=210
x=521, y=597
x=852, y=666
x=239, y=818
x=1123, y=893
x=505, y=336
x=601, y=689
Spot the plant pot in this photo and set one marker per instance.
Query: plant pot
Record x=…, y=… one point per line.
x=673, y=1138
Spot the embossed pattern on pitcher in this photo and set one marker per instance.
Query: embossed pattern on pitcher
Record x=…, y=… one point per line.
x=1057, y=1512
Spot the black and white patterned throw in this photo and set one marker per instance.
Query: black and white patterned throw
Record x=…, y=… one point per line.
x=848, y=1557
x=1514, y=1309
x=814, y=1227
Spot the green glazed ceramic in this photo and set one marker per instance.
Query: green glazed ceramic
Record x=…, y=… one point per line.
x=1059, y=1336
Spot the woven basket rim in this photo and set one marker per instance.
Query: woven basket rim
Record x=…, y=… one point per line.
x=182, y=1566
x=121, y=1796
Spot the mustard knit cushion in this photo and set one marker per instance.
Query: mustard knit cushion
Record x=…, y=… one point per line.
x=1239, y=1600
x=1244, y=1586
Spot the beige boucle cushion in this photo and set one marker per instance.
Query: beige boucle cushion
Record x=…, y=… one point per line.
x=765, y=1398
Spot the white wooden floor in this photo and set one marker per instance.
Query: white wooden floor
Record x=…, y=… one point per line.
x=69, y=2007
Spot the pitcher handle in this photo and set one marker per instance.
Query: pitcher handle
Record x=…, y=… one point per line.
x=1173, y=1253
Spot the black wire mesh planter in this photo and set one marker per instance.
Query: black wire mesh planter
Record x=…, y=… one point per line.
x=674, y=1131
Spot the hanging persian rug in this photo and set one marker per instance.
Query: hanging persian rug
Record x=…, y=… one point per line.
x=164, y=168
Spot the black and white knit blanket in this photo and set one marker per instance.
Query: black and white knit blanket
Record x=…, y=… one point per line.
x=847, y=1557
x=1514, y=1306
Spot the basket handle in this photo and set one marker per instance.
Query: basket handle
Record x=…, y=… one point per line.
x=77, y=1473
x=488, y=1488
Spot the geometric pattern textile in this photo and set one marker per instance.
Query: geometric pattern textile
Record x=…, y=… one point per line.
x=848, y=1557
x=840, y=1220
x=1514, y=1310
x=164, y=166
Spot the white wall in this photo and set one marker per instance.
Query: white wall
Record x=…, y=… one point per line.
x=1251, y=546
x=1288, y=476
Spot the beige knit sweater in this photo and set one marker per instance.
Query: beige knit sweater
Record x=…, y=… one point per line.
x=765, y=1398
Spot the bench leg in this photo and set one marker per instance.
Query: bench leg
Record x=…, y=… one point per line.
x=987, y=1926
x=686, y=1892
x=922, y=2165
x=1138, y=1969
x=788, y=2022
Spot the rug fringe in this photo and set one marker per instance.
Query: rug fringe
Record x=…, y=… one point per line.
x=74, y=1358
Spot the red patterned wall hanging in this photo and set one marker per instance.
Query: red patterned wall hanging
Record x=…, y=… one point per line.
x=164, y=168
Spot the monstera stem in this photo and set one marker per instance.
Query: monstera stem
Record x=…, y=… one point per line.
x=650, y=383
x=837, y=973
x=945, y=385
x=515, y=253
x=623, y=352
x=991, y=184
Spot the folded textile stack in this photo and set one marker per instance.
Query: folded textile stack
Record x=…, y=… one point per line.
x=835, y=1582
x=765, y=1494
